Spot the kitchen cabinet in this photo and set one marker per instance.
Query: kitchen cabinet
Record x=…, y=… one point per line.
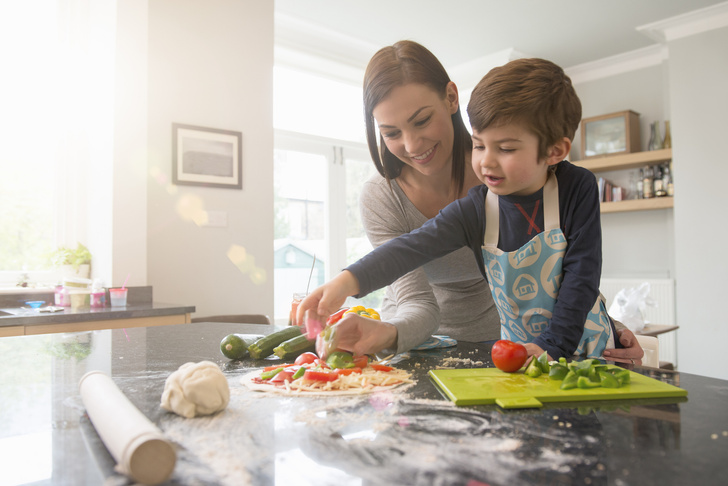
x=630, y=161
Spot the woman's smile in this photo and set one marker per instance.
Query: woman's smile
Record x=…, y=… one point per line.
x=425, y=157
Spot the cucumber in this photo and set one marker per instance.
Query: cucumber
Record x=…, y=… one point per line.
x=263, y=347
x=293, y=347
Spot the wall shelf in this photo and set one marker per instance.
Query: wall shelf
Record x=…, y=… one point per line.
x=625, y=162
x=636, y=205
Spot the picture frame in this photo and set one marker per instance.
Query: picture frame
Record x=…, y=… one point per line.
x=208, y=157
x=611, y=134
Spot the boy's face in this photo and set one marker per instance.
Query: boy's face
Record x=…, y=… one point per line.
x=506, y=160
x=416, y=126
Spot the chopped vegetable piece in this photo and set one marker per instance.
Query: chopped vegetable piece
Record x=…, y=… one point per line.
x=570, y=381
x=379, y=367
x=533, y=369
x=315, y=375
x=558, y=371
x=622, y=376
x=336, y=316
x=361, y=361
x=299, y=373
x=340, y=359
x=585, y=382
x=347, y=371
x=283, y=375
x=543, y=362
x=267, y=375
x=608, y=380
x=306, y=358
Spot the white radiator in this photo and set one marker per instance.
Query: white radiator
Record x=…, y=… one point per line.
x=662, y=293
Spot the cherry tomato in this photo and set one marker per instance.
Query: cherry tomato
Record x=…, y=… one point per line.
x=320, y=375
x=508, y=356
x=305, y=358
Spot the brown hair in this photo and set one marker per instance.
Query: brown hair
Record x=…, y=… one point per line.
x=402, y=63
x=534, y=92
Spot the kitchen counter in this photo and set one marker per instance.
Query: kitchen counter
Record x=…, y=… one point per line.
x=401, y=437
x=16, y=319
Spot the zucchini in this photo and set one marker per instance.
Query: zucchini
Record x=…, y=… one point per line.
x=263, y=347
x=293, y=347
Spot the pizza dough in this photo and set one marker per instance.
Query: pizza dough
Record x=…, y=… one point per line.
x=249, y=380
x=196, y=389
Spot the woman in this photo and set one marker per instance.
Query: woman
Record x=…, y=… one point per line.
x=421, y=149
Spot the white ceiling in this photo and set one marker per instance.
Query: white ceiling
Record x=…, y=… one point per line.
x=459, y=32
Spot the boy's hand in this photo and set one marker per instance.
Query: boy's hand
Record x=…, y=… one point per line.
x=328, y=298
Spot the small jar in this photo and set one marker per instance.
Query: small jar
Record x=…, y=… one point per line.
x=61, y=296
x=98, y=298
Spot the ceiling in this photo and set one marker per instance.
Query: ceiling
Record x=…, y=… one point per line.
x=458, y=32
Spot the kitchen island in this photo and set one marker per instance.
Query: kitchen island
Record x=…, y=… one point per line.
x=400, y=437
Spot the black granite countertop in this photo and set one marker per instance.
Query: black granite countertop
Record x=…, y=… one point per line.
x=140, y=303
x=401, y=437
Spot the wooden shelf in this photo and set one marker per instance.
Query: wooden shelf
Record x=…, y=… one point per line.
x=626, y=161
x=637, y=205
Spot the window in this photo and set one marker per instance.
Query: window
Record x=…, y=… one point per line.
x=56, y=119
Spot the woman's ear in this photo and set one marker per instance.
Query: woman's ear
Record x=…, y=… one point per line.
x=451, y=97
x=558, y=151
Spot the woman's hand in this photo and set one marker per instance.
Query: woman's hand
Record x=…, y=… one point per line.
x=632, y=351
x=362, y=335
x=535, y=350
x=328, y=298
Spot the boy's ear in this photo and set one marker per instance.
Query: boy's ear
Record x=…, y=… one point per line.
x=558, y=151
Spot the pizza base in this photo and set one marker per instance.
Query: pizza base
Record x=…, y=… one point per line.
x=248, y=381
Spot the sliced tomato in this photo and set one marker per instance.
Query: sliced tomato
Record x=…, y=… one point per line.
x=314, y=375
x=336, y=316
x=306, y=358
x=347, y=371
x=361, y=361
x=283, y=376
x=379, y=367
x=275, y=367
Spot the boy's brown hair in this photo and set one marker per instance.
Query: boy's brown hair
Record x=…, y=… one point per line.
x=533, y=92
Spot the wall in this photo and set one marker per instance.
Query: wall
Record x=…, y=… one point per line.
x=210, y=64
x=638, y=244
x=699, y=101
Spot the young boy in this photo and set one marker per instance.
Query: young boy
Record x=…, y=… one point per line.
x=533, y=225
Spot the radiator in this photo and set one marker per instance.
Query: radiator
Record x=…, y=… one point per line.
x=662, y=293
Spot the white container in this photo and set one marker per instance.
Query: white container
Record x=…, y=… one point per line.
x=118, y=297
x=76, y=283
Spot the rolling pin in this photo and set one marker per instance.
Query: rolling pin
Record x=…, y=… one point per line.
x=137, y=445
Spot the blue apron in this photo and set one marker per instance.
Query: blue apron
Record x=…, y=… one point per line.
x=525, y=283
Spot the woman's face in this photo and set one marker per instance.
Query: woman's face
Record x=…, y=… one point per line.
x=416, y=125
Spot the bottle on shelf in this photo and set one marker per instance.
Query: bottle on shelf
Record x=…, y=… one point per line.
x=658, y=188
x=667, y=141
x=667, y=180
x=647, y=183
x=640, y=184
x=655, y=138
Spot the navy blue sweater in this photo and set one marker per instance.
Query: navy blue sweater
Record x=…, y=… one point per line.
x=462, y=223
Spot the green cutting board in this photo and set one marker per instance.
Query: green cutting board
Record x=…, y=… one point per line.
x=482, y=386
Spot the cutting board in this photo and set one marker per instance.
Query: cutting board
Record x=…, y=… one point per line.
x=482, y=386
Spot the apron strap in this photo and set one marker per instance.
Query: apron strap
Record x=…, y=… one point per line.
x=551, y=215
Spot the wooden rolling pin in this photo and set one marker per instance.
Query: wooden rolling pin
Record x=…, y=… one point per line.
x=140, y=449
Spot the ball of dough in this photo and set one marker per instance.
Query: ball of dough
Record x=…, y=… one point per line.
x=196, y=389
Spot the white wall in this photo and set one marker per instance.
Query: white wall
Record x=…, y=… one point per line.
x=211, y=64
x=638, y=244
x=699, y=100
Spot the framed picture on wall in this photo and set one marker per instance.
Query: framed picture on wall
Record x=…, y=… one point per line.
x=612, y=134
x=207, y=157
